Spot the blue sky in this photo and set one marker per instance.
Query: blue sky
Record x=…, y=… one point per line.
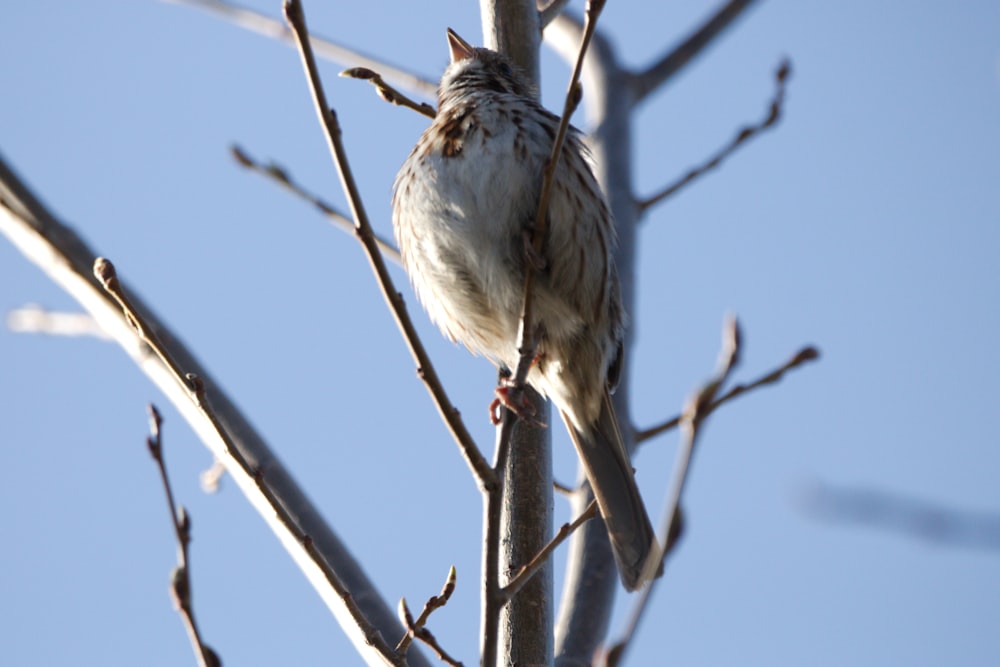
x=867, y=223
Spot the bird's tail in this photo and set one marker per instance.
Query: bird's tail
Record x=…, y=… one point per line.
x=607, y=465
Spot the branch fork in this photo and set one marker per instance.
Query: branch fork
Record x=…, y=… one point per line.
x=417, y=628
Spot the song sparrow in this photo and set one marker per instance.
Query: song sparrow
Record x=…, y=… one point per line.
x=463, y=204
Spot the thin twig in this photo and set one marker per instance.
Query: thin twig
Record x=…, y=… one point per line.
x=563, y=489
x=589, y=585
x=525, y=574
x=417, y=629
x=746, y=133
x=107, y=276
x=280, y=175
x=803, y=356
x=492, y=601
x=387, y=92
x=37, y=320
x=275, y=29
x=654, y=76
x=477, y=463
x=527, y=339
x=424, y=635
x=180, y=580
x=694, y=414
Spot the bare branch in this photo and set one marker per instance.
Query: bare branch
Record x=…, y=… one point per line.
x=518, y=630
x=527, y=340
x=528, y=571
x=516, y=515
x=563, y=489
x=483, y=473
x=327, y=49
x=37, y=320
x=490, y=600
x=910, y=517
x=280, y=175
x=695, y=412
x=494, y=601
x=746, y=133
x=803, y=356
x=589, y=584
x=645, y=82
x=387, y=92
x=511, y=27
x=416, y=629
x=424, y=635
x=316, y=549
x=107, y=276
x=180, y=588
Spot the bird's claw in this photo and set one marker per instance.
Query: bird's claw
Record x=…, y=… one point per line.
x=514, y=399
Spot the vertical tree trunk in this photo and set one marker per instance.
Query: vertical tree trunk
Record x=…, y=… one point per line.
x=526, y=622
x=525, y=632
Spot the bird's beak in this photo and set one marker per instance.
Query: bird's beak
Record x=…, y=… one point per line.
x=460, y=49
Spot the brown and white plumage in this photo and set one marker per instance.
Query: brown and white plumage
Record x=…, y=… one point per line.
x=463, y=203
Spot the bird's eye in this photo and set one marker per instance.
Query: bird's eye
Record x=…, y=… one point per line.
x=506, y=70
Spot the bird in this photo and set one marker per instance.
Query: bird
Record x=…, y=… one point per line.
x=464, y=202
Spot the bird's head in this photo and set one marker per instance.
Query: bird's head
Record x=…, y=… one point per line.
x=475, y=69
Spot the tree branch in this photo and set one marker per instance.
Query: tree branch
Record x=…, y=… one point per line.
x=416, y=629
x=517, y=523
x=528, y=571
x=107, y=276
x=480, y=468
x=645, y=82
x=590, y=581
x=180, y=588
x=517, y=516
x=803, y=356
x=387, y=92
x=316, y=549
x=37, y=320
x=695, y=412
x=278, y=174
x=275, y=29
x=527, y=336
x=491, y=604
x=522, y=479
x=746, y=133
x=425, y=635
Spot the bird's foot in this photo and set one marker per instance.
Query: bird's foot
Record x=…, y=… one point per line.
x=514, y=399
